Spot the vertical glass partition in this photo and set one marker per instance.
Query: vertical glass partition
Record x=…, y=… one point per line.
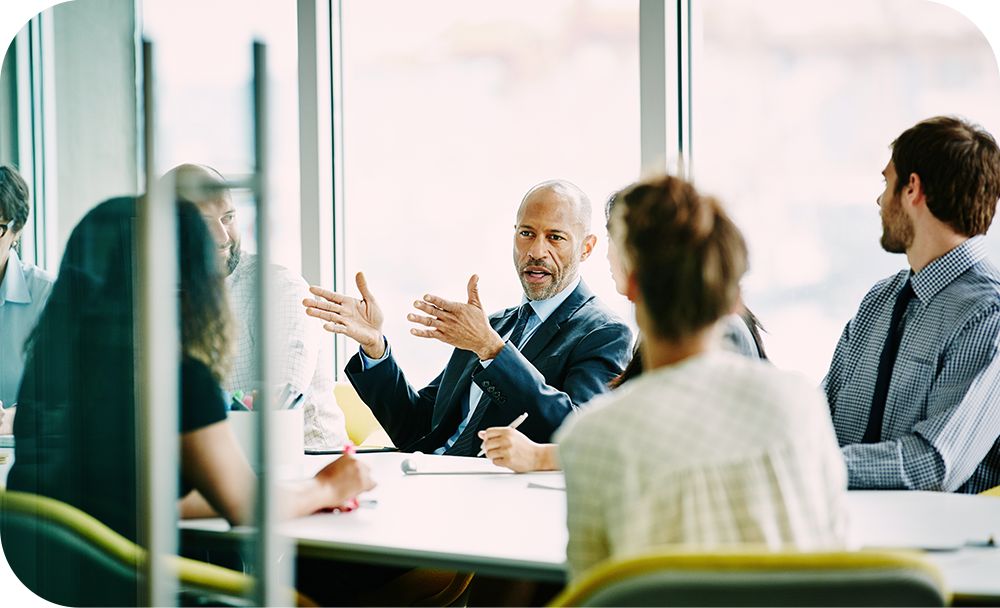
x=205, y=77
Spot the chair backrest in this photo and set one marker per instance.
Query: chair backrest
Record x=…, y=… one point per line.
x=857, y=578
x=64, y=555
x=358, y=418
x=68, y=557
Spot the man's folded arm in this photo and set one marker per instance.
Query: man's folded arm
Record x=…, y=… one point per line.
x=963, y=424
x=834, y=378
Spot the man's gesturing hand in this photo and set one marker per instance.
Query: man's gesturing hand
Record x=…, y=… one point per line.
x=462, y=325
x=357, y=319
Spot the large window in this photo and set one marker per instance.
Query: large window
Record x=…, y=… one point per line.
x=450, y=119
x=796, y=105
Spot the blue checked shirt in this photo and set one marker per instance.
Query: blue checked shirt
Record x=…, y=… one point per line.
x=941, y=429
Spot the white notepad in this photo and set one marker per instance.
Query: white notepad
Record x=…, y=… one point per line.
x=429, y=464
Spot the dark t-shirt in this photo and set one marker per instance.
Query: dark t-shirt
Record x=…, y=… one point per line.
x=75, y=437
x=202, y=403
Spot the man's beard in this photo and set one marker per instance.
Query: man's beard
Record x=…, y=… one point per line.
x=234, y=258
x=556, y=285
x=897, y=228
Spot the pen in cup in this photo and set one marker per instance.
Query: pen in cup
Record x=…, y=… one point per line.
x=513, y=425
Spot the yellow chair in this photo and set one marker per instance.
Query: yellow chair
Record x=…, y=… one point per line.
x=67, y=556
x=992, y=492
x=744, y=578
x=362, y=426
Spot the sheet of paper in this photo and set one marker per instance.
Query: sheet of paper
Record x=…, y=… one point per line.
x=430, y=464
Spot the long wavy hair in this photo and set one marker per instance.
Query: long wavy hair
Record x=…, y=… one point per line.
x=78, y=403
x=94, y=295
x=206, y=320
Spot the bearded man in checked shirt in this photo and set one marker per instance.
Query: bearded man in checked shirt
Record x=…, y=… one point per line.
x=306, y=360
x=927, y=416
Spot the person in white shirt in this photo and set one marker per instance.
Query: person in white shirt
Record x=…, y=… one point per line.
x=24, y=289
x=706, y=448
x=306, y=356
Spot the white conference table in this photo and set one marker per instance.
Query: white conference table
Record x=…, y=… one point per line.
x=513, y=525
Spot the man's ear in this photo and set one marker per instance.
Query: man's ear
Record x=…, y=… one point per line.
x=913, y=191
x=588, y=246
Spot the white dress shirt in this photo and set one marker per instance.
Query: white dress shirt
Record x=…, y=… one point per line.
x=306, y=357
x=715, y=450
x=23, y=293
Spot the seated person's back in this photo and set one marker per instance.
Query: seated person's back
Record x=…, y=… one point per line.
x=715, y=450
x=706, y=448
x=76, y=433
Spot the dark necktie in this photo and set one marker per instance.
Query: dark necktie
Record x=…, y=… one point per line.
x=468, y=442
x=873, y=432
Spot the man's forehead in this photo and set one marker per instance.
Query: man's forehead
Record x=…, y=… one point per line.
x=216, y=206
x=548, y=204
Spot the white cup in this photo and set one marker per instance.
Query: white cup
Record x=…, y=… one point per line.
x=286, y=425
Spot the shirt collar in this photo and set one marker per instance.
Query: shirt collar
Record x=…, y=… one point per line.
x=544, y=308
x=938, y=274
x=15, y=286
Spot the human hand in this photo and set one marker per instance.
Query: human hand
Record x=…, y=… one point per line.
x=345, y=477
x=462, y=325
x=360, y=320
x=508, y=447
x=7, y=419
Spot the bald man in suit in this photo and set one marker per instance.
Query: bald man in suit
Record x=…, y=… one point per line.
x=546, y=357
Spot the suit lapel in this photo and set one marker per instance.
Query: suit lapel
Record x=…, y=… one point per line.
x=458, y=376
x=547, y=330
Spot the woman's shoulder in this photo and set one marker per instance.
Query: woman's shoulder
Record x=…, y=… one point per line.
x=196, y=375
x=202, y=402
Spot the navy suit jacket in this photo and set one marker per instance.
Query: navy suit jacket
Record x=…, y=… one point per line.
x=569, y=359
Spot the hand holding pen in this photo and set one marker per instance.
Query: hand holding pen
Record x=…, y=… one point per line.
x=347, y=477
x=513, y=425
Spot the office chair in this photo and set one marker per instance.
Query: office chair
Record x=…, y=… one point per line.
x=68, y=557
x=992, y=492
x=857, y=578
x=361, y=424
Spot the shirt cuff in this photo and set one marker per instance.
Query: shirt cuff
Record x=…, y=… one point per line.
x=367, y=362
